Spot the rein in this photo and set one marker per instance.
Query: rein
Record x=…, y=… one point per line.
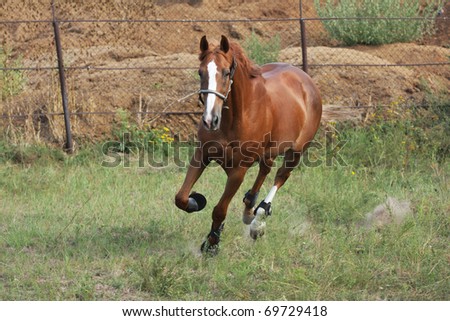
x=218, y=94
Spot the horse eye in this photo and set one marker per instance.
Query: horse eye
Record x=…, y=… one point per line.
x=226, y=73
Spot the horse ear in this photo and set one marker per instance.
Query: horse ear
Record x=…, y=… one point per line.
x=204, y=45
x=224, y=44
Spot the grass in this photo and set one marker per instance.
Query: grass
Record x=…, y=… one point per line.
x=74, y=230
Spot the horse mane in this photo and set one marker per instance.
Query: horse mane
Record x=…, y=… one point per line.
x=249, y=67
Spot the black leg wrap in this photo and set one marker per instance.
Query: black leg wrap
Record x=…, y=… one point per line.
x=250, y=200
x=266, y=206
x=212, y=248
x=196, y=203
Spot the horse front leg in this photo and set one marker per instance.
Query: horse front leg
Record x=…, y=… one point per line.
x=235, y=178
x=195, y=201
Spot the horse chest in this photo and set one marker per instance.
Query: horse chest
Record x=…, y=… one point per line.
x=233, y=153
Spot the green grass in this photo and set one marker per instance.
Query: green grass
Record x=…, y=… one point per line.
x=74, y=230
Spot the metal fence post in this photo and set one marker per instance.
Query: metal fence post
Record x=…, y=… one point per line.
x=303, y=40
x=62, y=80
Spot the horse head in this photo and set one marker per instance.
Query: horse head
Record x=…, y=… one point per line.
x=217, y=67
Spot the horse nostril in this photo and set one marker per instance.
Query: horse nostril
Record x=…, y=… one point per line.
x=211, y=123
x=205, y=122
x=215, y=121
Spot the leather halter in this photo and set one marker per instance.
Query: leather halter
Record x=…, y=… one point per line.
x=218, y=94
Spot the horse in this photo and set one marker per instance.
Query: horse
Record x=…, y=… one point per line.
x=252, y=114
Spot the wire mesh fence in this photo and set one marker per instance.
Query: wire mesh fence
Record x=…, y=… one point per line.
x=141, y=57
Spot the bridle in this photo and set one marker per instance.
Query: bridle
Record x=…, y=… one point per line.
x=218, y=94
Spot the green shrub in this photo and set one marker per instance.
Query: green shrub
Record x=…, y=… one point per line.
x=362, y=28
x=260, y=52
x=11, y=81
x=130, y=137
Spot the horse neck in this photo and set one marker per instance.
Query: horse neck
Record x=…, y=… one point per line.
x=240, y=91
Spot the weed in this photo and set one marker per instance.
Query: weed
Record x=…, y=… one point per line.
x=360, y=27
x=261, y=52
x=12, y=81
x=129, y=137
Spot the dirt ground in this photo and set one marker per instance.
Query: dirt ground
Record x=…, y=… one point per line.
x=163, y=58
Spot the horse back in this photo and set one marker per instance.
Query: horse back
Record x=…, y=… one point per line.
x=282, y=78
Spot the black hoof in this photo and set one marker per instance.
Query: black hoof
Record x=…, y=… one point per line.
x=209, y=249
x=256, y=234
x=211, y=245
x=197, y=202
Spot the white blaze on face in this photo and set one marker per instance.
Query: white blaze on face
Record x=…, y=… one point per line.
x=212, y=85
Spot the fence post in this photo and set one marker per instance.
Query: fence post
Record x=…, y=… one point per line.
x=62, y=81
x=303, y=40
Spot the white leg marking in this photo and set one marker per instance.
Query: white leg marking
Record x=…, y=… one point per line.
x=212, y=85
x=258, y=225
x=271, y=194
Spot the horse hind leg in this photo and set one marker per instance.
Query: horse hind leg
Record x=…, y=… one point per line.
x=264, y=209
x=252, y=195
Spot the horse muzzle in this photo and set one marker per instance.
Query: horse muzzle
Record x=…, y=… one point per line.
x=211, y=121
x=213, y=107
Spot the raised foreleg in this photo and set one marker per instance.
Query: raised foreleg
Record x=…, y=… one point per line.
x=195, y=201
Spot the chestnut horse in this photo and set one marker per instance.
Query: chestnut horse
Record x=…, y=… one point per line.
x=252, y=114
